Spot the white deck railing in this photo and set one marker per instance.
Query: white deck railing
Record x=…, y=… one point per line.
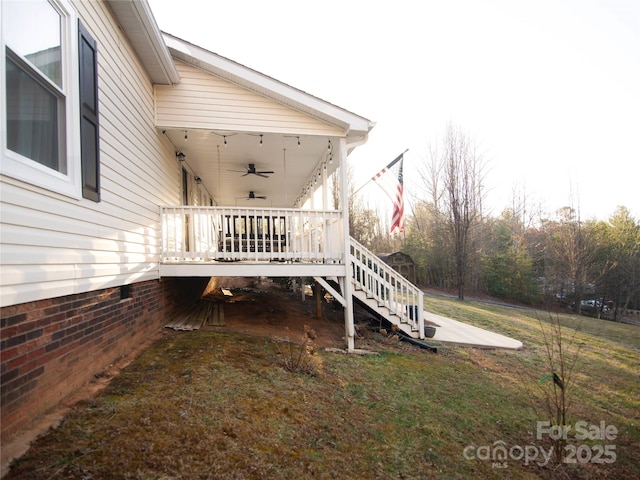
x=197, y=234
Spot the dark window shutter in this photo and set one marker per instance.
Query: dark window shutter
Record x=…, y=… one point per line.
x=89, y=130
x=185, y=187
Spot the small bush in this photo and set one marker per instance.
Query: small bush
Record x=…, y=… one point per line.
x=299, y=357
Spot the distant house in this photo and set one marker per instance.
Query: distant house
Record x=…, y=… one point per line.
x=134, y=167
x=401, y=263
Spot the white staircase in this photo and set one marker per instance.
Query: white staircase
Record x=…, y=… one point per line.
x=382, y=289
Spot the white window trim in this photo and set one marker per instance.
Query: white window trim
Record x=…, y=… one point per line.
x=22, y=168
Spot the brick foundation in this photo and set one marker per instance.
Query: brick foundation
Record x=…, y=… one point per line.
x=51, y=348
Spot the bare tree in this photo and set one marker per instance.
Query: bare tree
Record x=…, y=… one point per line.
x=571, y=251
x=454, y=180
x=429, y=245
x=365, y=223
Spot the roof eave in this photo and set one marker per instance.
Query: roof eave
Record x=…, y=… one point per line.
x=138, y=23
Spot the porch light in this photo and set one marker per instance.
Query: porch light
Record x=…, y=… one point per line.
x=224, y=137
x=297, y=137
x=181, y=156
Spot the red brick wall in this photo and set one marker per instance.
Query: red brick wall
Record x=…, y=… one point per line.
x=50, y=348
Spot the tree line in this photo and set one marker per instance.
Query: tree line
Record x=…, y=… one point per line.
x=522, y=255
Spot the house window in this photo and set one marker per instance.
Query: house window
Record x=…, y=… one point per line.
x=34, y=114
x=49, y=96
x=34, y=90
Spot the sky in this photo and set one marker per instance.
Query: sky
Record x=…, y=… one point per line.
x=549, y=90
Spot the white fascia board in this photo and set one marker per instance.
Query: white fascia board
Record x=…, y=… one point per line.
x=255, y=81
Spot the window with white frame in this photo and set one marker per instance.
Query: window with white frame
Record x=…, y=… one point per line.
x=42, y=83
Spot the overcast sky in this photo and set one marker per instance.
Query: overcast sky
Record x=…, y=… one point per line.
x=549, y=89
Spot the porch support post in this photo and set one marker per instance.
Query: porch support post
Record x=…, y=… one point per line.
x=325, y=190
x=349, y=328
x=317, y=292
x=421, y=316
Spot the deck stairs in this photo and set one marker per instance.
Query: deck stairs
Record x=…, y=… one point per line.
x=379, y=288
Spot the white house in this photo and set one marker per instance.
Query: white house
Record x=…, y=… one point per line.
x=135, y=166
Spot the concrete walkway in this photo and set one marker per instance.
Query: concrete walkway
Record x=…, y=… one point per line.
x=452, y=331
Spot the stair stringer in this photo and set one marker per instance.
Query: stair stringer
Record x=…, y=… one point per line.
x=384, y=312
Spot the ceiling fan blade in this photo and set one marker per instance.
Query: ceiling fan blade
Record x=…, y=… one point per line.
x=261, y=175
x=265, y=171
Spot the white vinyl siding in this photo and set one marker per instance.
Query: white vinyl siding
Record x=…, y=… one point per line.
x=53, y=245
x=202, y=100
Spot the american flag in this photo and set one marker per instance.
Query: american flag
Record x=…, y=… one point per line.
x=391, y=181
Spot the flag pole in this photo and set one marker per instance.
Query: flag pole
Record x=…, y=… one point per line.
x=365, y=183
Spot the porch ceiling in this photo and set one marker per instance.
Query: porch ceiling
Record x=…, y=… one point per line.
x=222, y=168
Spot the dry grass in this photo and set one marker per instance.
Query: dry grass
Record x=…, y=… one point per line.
x=221, y=405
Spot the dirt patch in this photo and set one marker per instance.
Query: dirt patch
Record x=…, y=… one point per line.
x=269, y=310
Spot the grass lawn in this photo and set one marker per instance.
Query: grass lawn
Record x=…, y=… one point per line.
x=220, y=405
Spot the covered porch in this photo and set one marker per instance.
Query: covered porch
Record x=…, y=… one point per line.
x=262, y=171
